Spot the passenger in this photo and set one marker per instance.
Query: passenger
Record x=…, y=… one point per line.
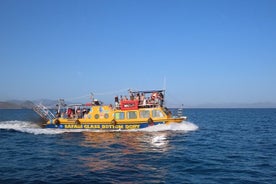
x=63, y=115
x=156, y=100
x=142, y=98
x=84, y=112
x=149, y=101
x=72, y=115
x=69, y=112
x=131, y=96
x=85, y=116
x=144, y=102
x=116, y=102
x=58, y=115
x=154, y=95
x=125, y=98
x=96, y=102
x=78, y=113
x=153, y=99
x=161, y=99
x=137, y=97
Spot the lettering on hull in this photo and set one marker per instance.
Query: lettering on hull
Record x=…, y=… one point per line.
x=99, y=126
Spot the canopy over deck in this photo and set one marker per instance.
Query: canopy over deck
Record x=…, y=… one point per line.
x=148, y=91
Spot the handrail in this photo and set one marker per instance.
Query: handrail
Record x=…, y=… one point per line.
x=43, y=112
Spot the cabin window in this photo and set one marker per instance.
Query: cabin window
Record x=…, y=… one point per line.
x=119, y=115
x=157, y=114
x=131, y=115
x=144, y=114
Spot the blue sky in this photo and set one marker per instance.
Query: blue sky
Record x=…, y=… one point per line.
x=207, y=51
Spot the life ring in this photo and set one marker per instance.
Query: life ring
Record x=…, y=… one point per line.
x=113, y=122
x=77, y=122
x=150, y=122
x=97, y=116
x=57, y=122
x=106, y=116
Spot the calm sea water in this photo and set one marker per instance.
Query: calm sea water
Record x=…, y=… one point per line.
x=214, y=146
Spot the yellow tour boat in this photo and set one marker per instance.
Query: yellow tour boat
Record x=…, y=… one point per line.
x=141, y=110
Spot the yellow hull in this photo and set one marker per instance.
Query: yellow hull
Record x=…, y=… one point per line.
x=104, y=117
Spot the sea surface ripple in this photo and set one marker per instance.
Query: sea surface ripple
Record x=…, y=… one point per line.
x=214, y=146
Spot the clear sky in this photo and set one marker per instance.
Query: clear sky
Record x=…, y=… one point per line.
x=205, y=51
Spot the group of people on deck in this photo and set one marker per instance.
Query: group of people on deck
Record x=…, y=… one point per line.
x=155, y=99
x=73, y=113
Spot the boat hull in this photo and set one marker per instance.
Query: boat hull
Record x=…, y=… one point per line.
x=103, y=126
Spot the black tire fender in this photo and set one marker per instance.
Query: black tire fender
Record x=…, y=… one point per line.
x=57, y=122
x=77, y=122
x=150, y=122
x=113, y=122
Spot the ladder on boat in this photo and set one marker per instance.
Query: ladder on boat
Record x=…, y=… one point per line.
x=43, y=112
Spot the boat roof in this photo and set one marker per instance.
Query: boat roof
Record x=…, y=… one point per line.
x=149, y=91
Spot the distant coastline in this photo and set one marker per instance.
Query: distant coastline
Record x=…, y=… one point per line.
x=233, y=105
x=16, y=105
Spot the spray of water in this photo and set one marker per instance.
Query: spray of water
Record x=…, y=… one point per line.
x=34, y=128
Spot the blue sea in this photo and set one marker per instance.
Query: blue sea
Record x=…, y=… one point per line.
x=213, y=146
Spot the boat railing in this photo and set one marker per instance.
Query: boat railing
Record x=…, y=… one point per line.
x=149, y=105
x=43, y=112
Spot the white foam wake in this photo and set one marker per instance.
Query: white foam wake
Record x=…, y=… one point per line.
x=183, y=126
x=28, y=127
x=34, y=128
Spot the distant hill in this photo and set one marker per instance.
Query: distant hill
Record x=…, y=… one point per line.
x=46, y=102
x=9, y=105
x=16, y=104
x=27, y=104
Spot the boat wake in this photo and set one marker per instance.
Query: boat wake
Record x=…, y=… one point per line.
x=184, y=126
x=34, y=128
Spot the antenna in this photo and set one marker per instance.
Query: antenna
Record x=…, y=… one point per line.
x=164, y=88
x=92, y=96
x=164, y=83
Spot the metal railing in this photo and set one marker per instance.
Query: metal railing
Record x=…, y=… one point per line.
x=43, y=112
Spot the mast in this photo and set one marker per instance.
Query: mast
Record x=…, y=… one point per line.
x=164, y=89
